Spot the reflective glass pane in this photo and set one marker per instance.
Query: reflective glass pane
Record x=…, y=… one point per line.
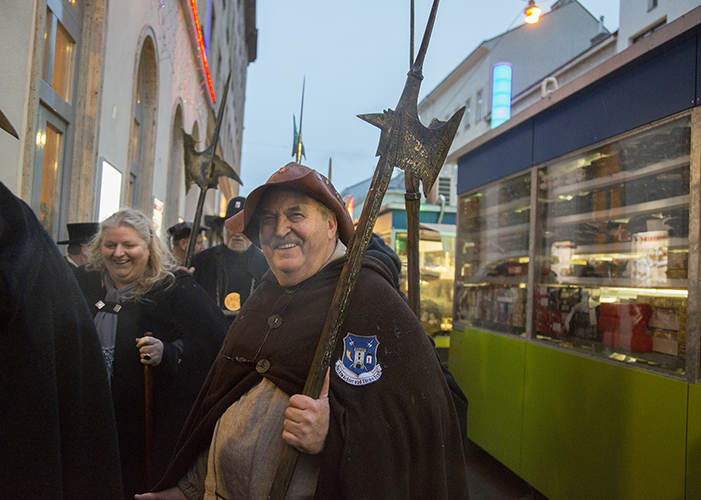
x=436, y=276
x=492, y=256
x=64, y=53
x=135, y=143
x=615, y=247
x=46, y=66
x=52, y=144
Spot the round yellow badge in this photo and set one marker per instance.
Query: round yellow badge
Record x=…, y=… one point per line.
x=233, y=301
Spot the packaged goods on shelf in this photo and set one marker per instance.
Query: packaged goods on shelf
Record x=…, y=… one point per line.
x=677, y=265
x=627, y=342
x=664, y=341
x=607, y=165
x=637, y=311
x=581, y=326
x=624, y=326
x=667, y=324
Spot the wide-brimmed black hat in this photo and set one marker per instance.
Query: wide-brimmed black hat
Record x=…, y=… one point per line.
x=183, y=229
x=80, y=232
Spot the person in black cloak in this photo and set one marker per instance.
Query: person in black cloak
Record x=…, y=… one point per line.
x=230, y=271
x=132, y=287
x=58, y=438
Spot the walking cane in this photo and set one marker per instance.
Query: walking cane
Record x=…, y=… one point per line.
x=148, y=410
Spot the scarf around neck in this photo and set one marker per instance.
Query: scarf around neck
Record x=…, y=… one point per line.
x=106, y=322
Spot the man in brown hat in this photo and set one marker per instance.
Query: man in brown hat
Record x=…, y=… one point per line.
x=384, y=425
x=180, y=239
x=230, y=272
x=79, y=235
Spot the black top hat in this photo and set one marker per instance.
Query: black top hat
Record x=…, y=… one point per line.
x=80, y=232
x=182, y=230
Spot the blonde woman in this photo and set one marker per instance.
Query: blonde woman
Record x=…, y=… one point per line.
x=132, y=287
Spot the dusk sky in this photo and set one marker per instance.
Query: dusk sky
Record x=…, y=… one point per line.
x=355, y=57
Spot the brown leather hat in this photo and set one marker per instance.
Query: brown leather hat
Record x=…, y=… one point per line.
x=300, y=178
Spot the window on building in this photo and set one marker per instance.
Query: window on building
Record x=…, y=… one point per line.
x=649, y=31
x=136, y=141
x=210, y=28
x=444, y=188
x=141, y=143
x=651, y=4
x=50, y=190
x=467, y=118
x=478, y=107
x=52, y=142
x=175, y=170
x=59, y=57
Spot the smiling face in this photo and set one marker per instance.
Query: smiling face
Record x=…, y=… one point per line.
x=125, y=255
x=297, y=235
x=236, y=241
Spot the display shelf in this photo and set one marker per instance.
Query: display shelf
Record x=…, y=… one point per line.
x=487, y=234
x=621, y=177
x=494, y=280
x=651, y=359
x=618, y=282
x=621, y=212
x=524, y=203
x=488, y=257
x=624, y=247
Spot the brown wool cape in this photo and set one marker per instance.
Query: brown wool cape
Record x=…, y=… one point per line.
x=397, y=437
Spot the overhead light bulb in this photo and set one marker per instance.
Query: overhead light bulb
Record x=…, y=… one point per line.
x=532, y=12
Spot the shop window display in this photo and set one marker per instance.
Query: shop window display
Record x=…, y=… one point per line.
x=613, y=246
x=436, y=275
x=492, y=256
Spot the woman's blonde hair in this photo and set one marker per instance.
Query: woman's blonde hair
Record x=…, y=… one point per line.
x=160, y=265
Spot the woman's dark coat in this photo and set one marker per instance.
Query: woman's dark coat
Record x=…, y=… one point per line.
x=181, y=312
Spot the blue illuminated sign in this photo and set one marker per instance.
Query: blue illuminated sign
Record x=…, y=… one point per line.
x=501, y=94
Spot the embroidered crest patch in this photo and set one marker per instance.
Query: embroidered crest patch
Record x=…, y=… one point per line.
x=359, y=365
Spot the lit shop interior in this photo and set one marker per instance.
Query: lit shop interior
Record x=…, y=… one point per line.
x=576, y=321
x=611, y=249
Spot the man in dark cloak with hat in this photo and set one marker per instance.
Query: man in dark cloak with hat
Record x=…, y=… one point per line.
x=230, y=272
x=79, y=235
x=384, y=425
x=180, y=238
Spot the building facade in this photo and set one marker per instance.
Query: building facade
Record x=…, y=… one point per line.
x=100, y=93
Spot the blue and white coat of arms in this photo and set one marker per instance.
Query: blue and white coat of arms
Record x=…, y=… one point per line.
x=359, y=365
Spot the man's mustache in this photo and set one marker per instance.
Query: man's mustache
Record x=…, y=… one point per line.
x=276, y=242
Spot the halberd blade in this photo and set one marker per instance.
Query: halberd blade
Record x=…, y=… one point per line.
x=196, y=163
